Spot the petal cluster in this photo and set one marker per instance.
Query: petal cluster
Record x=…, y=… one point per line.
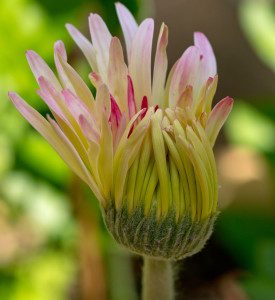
x=143, y=138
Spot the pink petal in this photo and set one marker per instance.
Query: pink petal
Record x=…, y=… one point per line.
x=31, y=115
x=56, y=138
x=132, y=108
x=128, y=24
x=140, y=61
x=86, y=47
x=59, y=47
x=40, y=68
x=185, y=74
x=55, y=101
x=217, y=118
x=60, y=54
x=77, y=107
x=160, y=68
x=101, y=39
x=88, y=129
x=72, y=81
x=208, y=61
x=49, y=94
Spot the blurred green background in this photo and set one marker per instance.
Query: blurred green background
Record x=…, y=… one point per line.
x=53, y=243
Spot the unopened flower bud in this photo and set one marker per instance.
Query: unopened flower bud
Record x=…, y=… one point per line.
x=144, y=143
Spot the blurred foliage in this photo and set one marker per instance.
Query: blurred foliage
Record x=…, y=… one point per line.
x=250, y=127
x=258, y=21
x=40, y=224
x=249, y=237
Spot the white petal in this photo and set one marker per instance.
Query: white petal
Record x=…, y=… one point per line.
x=160, y=68
x=140, y=61
x=128, y=24
x=86, y=47
x=101, y=39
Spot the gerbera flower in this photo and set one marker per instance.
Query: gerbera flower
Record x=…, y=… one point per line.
x=144, y=142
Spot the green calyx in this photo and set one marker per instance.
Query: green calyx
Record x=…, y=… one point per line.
x=162, y=238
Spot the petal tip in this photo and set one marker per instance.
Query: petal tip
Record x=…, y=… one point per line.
x=29, y=53
x=228, y=100
x=119, y=6
x=114, y=38
x=69, y=25
x=198, y=35
x=11, y=95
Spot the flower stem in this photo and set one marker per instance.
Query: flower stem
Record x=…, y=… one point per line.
x=158, y=281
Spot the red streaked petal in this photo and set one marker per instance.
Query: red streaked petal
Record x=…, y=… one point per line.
x=115, y=120
x=134, y=121
x=140, y=60
x=156, y=108
x=115, y=115
x=144, y=104
x=132, y=107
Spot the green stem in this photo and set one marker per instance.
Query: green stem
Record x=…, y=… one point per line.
x=157, y=281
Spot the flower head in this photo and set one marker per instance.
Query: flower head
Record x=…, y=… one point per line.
x=144, y=144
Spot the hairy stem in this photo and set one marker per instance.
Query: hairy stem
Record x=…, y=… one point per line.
x=157, y=281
